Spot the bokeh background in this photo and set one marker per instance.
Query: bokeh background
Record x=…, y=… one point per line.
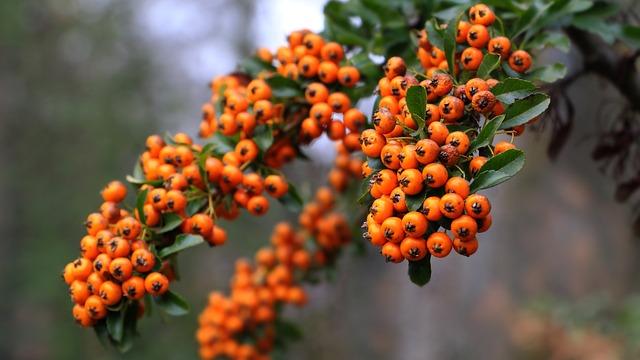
x=83, y=82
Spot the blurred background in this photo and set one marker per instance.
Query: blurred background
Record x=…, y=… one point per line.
x=82, y=84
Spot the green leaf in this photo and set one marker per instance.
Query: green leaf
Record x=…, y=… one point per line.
x=525, y=110
x=549, y=73
x=498, y=169
x=512, y=89
x=364, y=190
x=115, y=324
x=417, y=103
x=172, y=304
x=282, y=87
x=489, y=63
x=254, y=65
x=553, y=39
x=102, y=333
x=195, y=205
x=485, y=137
x=420, y=271
x=450, y=43
x=292, y=200
x=222, y=144
x=609, y=32
x=287, y=330
x=170, y=221
x=182, y=242
x=263, y=137
x=375, y=164
x=414, y=202
x=435, y=33
x=140, y=200
x=631, y=34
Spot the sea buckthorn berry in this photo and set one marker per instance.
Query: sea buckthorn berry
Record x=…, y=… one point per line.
x=176, y=182
x=253, y=184
x=477, y=206
x=354, y=120
x=94, y=223
x=264, y=54
x=436, y=55
x=448, y=155
x=316, y=93
x=81, y=316
x=392, y=229
x=371, y=143
x=381, y=209
x=154, y=144
x=411, y=181
x=213, y=168
x=462, y=31
x=158, y=198
x=231, y=175
x=121, y=269
x=332, y=51
x=451, y=108
x=246, y=150
x=143, y=260
x=258, y=89
x=218, y=236
x=414, y=224
x=483, y=101
x=129, y=228
x=310, y=129
x=471, y=58
x=478, y=36
x=435, y=175
x=79, y=292
x=101, y=264
x=110, y=211
x=328, y=72
x=482, y=14
x=385, y=181
x=182, y=138
x=392, y=253
x=184, y=155
x=152, y=216
x=308, y=66
x=452, y=205
x=431, y=209
x=110, y=293
x=460, y=141
x=374, y=234
x=458, y=186
x=520, y=61
x=81, y=269
x=89, y=247
x=474, y=86
x=390, y=103
x=95, y=308
x=67, y=274
x=484, y=223
x=503, y=146
x=258, y=205
x=93, y=282
x=426, y=151
x=133, y=288
x=276, y=185
x=115, y=192
x=413, y=249
x=321, y=112
x=314, y=44
x=439, y=244
x=432, y=114
x=348, y=76
x=408, y=157
x=397, y=197
x=389, y=155
x=500, y=45
x=441, y=84
x=156, y=284
x=394, y=66
x=383, y=121
x=339, y=102
x=476, y=164
x=176, y=201
x=466, y=248
x=201, y=224
x=465, y=227
x=336, y=130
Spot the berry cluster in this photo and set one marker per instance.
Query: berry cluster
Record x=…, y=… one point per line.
x=115, y=262
x=480, y=38
x=244, y=325
x=430, y=166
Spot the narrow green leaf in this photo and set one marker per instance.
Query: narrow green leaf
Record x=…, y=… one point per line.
x=489, y=63
x=417, y=103
x=263, y=137
x=254, y=65
x=102, y=333
x=549, y=73
x=282, y=87
x=414, y=202
x=435, y=33
x=512, y=89
x=450, y=43
x=498, y=169
x=172, y=304
x=485, y=137
x=287, y=330
x=223, y=144
x=115, y=324
x=140, y=200
x=553, y=39
x=525, y=110
x=195, y=205
x=375, y=164
x=420, y=271
x=170, y=221
x=292, y=200
x=182, y=242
